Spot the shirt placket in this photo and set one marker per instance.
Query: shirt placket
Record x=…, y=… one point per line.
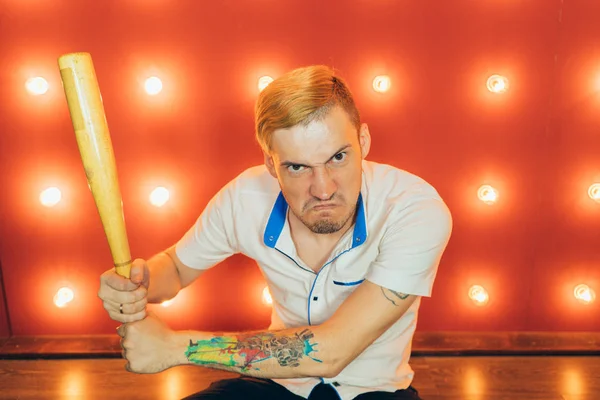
x=317, y=306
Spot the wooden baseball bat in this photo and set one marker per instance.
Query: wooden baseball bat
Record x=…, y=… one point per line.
x=95, y=146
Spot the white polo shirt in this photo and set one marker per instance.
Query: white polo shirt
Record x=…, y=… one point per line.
x=402, y=228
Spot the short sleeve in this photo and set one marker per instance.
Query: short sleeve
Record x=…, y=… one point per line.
x=212, y=238
x=411, y=248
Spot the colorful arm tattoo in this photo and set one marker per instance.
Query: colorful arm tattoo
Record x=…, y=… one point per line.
x=245, y=351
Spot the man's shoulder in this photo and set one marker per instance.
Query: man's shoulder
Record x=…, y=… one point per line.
x=396, y=196
x=386, y=181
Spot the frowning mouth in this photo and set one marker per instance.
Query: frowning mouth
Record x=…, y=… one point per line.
x=324, y=206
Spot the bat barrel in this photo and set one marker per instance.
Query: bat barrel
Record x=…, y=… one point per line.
x=93, y=139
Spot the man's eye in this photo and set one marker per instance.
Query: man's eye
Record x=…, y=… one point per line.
x=295, y=168
x=340, y=156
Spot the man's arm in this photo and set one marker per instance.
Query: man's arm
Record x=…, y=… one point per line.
x=307, y=351
x=407, y=263
x=209, y=241
x=168, y=275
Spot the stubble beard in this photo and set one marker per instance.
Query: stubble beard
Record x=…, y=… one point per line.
x=325, y=226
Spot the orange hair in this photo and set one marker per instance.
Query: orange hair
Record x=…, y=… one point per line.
x=299, y=97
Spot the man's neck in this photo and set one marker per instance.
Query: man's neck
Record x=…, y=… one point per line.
x=314, y=249
x=299, y=230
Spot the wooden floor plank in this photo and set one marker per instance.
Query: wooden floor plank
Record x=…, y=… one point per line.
x=523, y=377
x=436, y=378
x=424, y=343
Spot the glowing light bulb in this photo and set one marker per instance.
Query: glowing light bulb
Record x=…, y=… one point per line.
x=584, y=294
x=266, y=296
x=382, y=83
x=263, y=82
x=159, y=196
x=487, y=194
x=479, y=295
x=497, y=84
x=594, y=192
x=50, y=197
x=63, y=296
x=153, y=85
x=37, y=85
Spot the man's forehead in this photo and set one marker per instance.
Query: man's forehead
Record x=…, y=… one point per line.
x=308, y=145
x=327, y=134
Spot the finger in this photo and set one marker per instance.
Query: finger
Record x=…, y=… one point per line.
x=146, y=281
x=125, y=318
x=121, y=332
x=117, y=297
x=126, y=308
x=115, y=281
x=138, y=269
x=106, y=292
x=116, y=316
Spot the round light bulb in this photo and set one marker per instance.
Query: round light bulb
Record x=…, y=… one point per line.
x=263, y=82
x=153, y=85
x=382, y=83
x=487, y=194
x=584, y=294
x=37, y=85
x=159, y=196
x=479, y=295
x=63, y=296
x=497, y=84
x=266, y=296
x=594, y=192
x=50, y=197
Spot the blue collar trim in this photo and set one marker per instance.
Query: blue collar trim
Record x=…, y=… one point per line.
x=276, y=221
x=279, y=212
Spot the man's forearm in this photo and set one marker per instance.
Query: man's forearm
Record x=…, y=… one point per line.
x=164, y=278
x=290, y=353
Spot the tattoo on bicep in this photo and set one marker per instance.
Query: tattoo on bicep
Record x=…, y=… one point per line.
x=244, y=351
x=393, y=296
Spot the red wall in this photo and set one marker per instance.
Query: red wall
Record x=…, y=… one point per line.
x=538, y=143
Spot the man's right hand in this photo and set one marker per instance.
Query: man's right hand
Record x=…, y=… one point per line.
x=125, y=299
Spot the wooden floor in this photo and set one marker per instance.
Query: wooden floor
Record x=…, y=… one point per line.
x=443, y=378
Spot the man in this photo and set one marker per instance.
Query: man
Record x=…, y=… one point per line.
x=348, y=248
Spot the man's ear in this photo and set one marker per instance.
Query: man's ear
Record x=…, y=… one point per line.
x=364, y=139
x=270, y=164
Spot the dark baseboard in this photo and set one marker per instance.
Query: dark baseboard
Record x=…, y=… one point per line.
x=506, y=343
x=424, y=344
x=59, y=346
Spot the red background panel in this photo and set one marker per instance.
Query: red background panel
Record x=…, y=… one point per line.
x=538, y=144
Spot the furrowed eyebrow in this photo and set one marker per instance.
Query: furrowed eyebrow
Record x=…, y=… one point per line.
x=289, y=163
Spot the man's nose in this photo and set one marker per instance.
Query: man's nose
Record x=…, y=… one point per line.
x=323, y=185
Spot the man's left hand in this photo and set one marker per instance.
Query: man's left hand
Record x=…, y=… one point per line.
x=148, y=345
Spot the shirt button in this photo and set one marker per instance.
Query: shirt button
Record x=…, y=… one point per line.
x=270, y=238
